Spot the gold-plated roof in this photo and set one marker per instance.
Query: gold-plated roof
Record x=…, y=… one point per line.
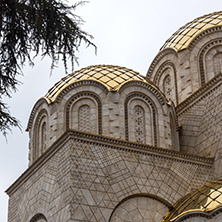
x=205, y=198
x=183, y=36
x=113, y=77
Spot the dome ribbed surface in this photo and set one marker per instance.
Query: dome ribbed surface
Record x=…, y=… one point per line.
x=113, y=77
x=205, y=198
x=183, y=36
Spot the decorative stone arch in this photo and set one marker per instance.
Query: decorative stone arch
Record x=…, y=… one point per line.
x=85, y=96
x=209, y=47
x=152, y=107
x=160, y=77
x=140, y=119
x=154, y=90
x=215, y=29
x=142, y=203
x=80, y=84
x=40, y=134
x=158, y=58
x=34, y=110
x=39, y=218
x=83, y=115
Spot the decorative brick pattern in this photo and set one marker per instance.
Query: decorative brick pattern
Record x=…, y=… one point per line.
x=139, y=118
x=84, y=118
x=85, y=181
x=202, y=125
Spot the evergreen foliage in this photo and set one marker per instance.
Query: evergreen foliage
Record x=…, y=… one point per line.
x=45, y=27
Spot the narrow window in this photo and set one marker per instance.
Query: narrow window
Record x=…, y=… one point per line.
x=167, y=87
x=139, y=118
x=84, y=118
x=43, y=138
x=217, y=63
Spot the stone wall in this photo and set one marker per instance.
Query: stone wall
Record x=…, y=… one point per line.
x=201, y=122
x=84, y=178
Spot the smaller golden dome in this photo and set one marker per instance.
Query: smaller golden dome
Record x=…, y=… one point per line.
x=113, y=77
x=183, y=36
x=205, y=199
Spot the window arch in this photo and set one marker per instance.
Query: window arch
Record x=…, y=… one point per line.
x=72, y=110
x=39, y=218
x=210, y=60
x=40, y=135
x=147, y=113
x=141, y=207
x=166, y=79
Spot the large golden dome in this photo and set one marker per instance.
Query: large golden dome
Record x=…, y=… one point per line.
x=205, y=199
x=183, y=36
x=113, y=77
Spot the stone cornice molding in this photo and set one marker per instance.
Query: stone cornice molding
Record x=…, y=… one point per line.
x=108, y=142
x=202, y=92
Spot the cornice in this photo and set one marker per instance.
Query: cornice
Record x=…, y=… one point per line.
x=108, y=142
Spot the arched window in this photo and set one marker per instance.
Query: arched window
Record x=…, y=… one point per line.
x=217, y=63
x=141, y=120
x=140, y=208
x=40, y=135
x=210, y=61
x=41, y=140
x=38, y=218
x=167, y=87
x=166, y=80
x=84, y=118
x=139, y=123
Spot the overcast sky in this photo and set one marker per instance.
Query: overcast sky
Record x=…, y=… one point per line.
x=127, y=33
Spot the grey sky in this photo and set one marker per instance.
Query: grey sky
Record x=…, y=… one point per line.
x=127, y=33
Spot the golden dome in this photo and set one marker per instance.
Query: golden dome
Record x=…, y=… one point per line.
x=205, y=198
x=183, y=36
x=113, y=77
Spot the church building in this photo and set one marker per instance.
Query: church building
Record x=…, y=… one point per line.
x=107, y=144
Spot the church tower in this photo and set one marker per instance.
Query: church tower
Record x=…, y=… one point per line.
x=110, y=145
